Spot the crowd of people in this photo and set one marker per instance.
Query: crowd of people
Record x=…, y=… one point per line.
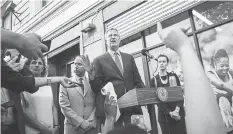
x=27, y=101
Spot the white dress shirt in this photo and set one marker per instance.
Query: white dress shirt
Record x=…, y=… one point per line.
x=119, y=55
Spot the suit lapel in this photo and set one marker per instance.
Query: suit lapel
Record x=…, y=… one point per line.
x=111, y=62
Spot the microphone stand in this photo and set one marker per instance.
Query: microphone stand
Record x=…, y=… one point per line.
x=151, y=108
x=150, y=65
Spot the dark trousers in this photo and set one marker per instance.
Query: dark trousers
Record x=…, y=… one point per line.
x=10, y=129
x=122, y=121
x=173, y=127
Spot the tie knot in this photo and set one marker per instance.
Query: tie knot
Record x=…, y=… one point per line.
x=80, y=79
x=116, y=53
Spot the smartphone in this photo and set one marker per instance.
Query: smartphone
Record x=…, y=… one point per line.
x=8, y=104
x=48, y=44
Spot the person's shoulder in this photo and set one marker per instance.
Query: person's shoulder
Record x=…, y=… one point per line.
x=100, y=57
x=126, y=54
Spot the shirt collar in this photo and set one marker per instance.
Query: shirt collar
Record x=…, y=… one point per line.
x=112, y=52
x=77, y=78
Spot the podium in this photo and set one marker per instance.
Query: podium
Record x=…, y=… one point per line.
x=146, y=96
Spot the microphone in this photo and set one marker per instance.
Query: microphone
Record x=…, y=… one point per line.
x=146, y=53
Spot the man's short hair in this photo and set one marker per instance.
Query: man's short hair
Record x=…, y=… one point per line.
x=111, y=30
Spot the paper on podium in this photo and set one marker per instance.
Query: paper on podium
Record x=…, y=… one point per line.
x=109, y=88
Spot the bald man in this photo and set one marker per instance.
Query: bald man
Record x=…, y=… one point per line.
x=78, y=104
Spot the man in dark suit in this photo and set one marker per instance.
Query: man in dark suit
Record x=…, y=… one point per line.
x=120, y=69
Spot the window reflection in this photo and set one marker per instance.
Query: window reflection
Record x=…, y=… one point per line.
x=72, y=67
x=131, y=44
x=139, y=65
x=212, y=40
x=174, y=60
x=93, y=50
x=212, y=12
x=216, y=46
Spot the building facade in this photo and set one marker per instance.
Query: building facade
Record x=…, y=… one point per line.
x=210, y=26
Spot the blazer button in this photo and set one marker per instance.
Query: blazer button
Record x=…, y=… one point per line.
x=84, y=105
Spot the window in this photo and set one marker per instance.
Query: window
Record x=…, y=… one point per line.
x=72, y=68
x=179, y=21
x=212, y=12
x=36, y=6
x=94, y=50
x=139, y=64
x=44, y=2
x=212, y=40
x=131, y=44
x=6, y=22
x=174, y=60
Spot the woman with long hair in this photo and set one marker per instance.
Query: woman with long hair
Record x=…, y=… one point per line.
x=41, y=103
x=170, y=115
x=222, y=83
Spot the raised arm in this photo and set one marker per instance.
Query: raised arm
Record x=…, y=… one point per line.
x=202, y=113
x=97, y=81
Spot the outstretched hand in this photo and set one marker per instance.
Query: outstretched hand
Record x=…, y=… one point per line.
x=174, y=38
x=87, y=64
x=67, y=83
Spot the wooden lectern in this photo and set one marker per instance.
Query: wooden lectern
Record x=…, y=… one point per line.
x=145, y=96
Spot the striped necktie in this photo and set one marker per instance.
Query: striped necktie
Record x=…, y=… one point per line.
x=81, y=84
x=118, y=62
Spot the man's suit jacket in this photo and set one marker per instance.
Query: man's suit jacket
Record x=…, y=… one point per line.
x=76, y=106
x=106, y=71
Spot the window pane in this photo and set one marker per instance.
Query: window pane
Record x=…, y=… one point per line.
x=131, y=44
x=139, y=65
x=210, y=42
x=7, y=22
x=44, y=2
x=132, y=47
x=180, y=21
x=94, y=50
x=72, y=67
x=212, y=12
x=174, y=60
